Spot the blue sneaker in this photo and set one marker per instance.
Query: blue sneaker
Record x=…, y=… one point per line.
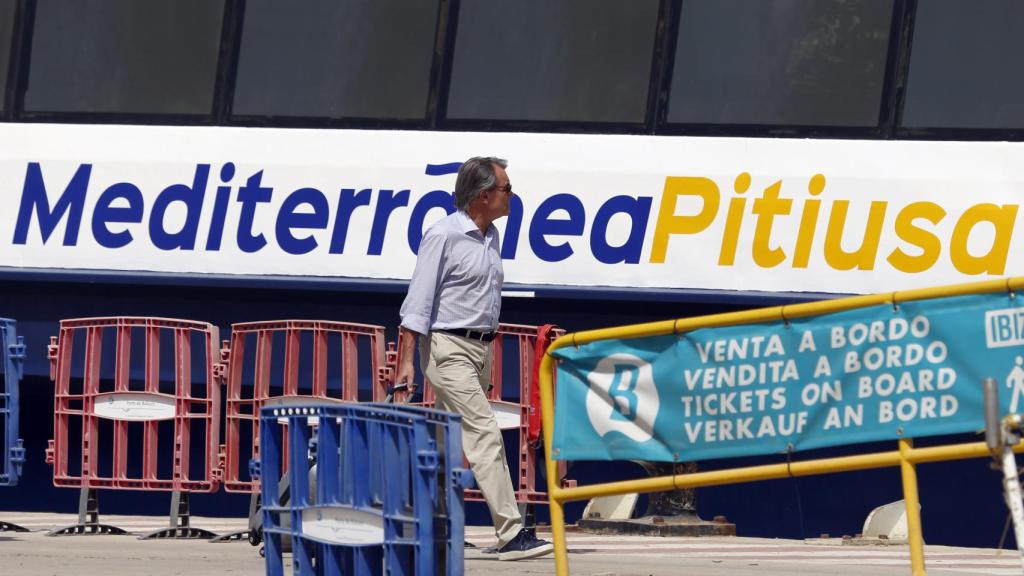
x=524, y=545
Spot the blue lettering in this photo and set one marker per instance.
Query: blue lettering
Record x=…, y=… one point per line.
x=1003, y=327
x=638, y=209
x=122, y=206
x=105, y=214
x=513, y=224
x=543, y=225
x=34, y=196
x=192, y=198
x=220, y=208
x=386, y=204
x=348, y=201
x=442, y=169
x=288, y=218
x=248, y=196
x=431, y=200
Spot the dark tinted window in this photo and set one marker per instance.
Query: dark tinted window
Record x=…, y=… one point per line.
x=336, y=59
x=784, y=62
x=570, y=60
x=965, y=65
x=127, y=56
x=6, y=28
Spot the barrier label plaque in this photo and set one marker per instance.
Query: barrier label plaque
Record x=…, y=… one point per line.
x=338, y=525
x=135, y=406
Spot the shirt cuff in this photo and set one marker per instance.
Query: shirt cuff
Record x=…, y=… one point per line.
x=418, y=324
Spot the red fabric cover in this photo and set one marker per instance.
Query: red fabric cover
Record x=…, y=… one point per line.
x=533, y=429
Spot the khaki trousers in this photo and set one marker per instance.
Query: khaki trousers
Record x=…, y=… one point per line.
x=460, y=371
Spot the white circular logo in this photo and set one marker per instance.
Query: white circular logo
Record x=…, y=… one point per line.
x=622, y=397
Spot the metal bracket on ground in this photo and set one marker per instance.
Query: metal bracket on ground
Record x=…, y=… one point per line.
x=670, y=513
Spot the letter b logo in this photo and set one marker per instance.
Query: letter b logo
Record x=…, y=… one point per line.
x=622, y=397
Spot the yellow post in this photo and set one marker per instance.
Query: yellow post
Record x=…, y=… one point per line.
x=547, y=415
x=558, y=537
x=912, y=502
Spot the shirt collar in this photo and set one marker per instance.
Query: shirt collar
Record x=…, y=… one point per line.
x=467, y=225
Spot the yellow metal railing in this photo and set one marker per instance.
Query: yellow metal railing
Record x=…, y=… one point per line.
x=906, y=457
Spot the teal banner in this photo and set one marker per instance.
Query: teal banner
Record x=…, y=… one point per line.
x=877, y=373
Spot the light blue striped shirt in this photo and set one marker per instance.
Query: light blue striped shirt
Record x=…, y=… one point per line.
x=457, y=280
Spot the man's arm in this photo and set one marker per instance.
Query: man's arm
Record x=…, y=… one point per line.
x=418, y=308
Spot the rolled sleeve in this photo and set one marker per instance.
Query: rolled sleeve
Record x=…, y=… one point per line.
x=420, y=303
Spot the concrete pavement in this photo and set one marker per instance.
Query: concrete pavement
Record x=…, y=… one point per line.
x=34, y=553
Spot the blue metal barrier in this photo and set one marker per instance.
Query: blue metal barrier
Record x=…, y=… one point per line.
x=12, y=458
x=383, y=495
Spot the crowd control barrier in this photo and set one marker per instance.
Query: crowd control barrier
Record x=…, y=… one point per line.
x=136, y=407
x=381, y=494
x=286, y=363
x=514, y=401
x=971, y=330
x=13, y=456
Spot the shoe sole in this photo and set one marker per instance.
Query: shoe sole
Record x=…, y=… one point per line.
x=525, y=554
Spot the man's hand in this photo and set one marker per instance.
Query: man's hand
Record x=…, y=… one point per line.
x=405, y=376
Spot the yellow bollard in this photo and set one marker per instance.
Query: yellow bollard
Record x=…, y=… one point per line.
x=912, y=502
x=558, y=538
x=547, y=412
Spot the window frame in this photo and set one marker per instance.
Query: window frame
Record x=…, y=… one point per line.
x=24, y=63
x=891, y=87
x=228, y=118
x=9, y=84
x=901, y=132
x=655, y=117
x=646, y=126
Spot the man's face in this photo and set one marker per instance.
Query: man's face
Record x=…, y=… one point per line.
x=497, y=200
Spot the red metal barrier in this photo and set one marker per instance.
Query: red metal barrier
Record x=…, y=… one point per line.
x=511, y=414
x=305, y=352
x=114, y=413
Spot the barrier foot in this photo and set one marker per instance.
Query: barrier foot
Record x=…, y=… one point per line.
x=230, y=537
x=180, y=533
x=88, y=517
x=8, y=527
x=87, y=529
x=180, y=528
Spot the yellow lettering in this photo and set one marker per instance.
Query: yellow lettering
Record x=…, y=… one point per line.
x=733, y=220
x=930, y=245
x=767, y=207
x=862, y=258
x=670, y=224
x=808, y=223
x=1002, y=219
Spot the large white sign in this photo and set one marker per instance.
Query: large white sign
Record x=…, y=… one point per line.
x=589, y=210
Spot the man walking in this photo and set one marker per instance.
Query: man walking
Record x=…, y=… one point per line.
x=452, y=309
